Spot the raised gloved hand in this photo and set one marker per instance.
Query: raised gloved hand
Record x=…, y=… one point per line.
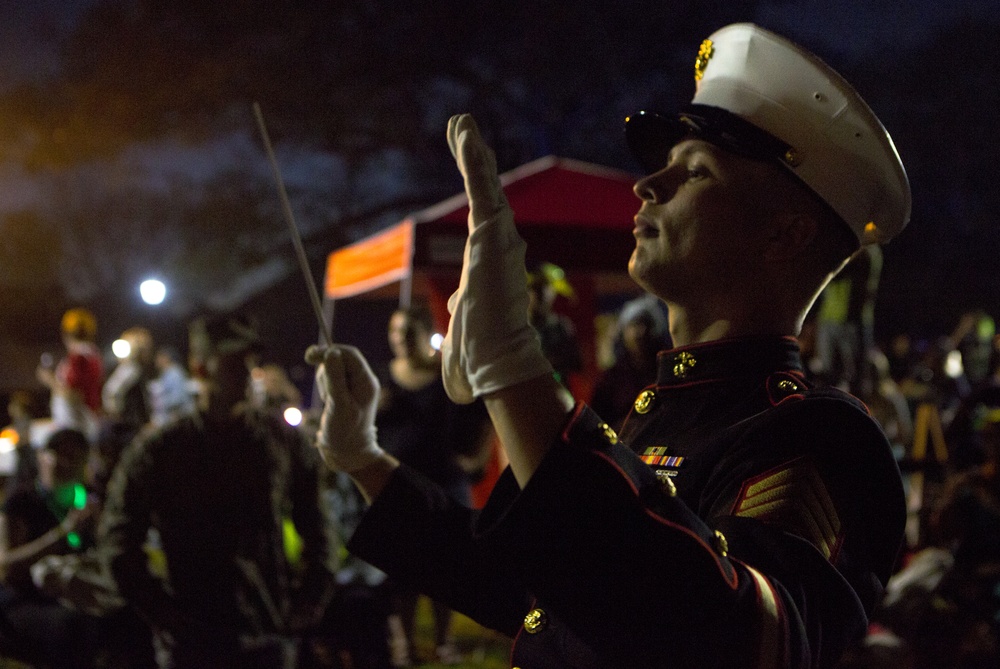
x=490, y=345
x=349, y=390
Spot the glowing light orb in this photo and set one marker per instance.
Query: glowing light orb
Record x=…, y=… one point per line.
x=121, y=348
x=953, y=366
x=293, y=416
x=152, y=291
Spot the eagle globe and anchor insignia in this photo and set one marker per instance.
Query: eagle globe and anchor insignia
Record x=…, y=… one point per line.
x=684, y=362
x=705, y=53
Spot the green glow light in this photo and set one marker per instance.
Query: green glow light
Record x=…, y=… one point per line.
x=79, y=496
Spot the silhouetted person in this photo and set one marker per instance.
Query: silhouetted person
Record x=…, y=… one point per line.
x=216, y=488
x=418, y=424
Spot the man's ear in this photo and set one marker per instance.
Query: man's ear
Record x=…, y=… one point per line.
x=791, y=234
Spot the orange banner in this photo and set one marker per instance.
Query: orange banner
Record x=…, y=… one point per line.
x=370, y=263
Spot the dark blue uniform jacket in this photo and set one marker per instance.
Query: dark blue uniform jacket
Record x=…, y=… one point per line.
x=741, y=519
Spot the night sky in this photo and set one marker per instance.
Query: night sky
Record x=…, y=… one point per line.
x=131, y=151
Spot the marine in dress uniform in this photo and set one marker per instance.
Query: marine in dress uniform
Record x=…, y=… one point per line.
x=742, y=518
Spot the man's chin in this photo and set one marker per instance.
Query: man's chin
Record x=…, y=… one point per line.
x=637, y=269
x=633, y=262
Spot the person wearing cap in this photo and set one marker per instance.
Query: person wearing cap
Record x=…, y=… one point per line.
x=742, y=518
x=75, y=382
x=556, y=333
x=216, y=488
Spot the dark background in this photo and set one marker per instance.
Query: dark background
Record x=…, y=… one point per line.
x=128, y=148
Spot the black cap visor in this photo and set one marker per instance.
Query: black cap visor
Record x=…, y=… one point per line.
x=651, y=136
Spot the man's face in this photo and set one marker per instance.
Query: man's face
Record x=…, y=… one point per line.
x=699, y=223
x=406, y=338
x=63, y=464
x=636, y=334
x=229, y=375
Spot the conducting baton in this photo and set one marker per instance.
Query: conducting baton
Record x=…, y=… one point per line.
x=293, y=230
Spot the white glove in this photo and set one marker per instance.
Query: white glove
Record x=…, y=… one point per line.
x=349, y=390
x=489, y=345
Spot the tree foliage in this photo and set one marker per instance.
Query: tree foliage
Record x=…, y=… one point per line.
x=355, y=77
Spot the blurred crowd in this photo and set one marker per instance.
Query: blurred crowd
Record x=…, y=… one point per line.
x=167, y=509
x=163, y=509
x=937, y=398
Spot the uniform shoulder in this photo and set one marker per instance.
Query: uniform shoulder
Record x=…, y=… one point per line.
x=820, y=421
x=787, y=388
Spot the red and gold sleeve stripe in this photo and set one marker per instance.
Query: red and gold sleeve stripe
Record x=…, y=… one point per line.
x=771, y=648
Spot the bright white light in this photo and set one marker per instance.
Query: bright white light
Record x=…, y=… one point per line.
x=121, y=348
x=293, y=416
x=953, y=364
x=436, y=340
x=152, y=291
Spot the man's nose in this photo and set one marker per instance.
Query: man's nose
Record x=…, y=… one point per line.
x=658, y=187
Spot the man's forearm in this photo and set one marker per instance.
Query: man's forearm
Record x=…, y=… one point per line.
x=372, y=478
x=528, y=417
x=16, y=562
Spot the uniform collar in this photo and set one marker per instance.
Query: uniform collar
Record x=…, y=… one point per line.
x=727, y=358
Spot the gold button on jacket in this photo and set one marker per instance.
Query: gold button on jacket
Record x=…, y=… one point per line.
x=535, y=621
x=644, y=402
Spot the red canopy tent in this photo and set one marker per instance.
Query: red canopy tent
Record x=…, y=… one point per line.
x=578, y=214
x=574, y=214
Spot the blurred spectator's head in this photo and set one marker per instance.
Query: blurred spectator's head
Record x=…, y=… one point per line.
x=140, y=342
x=20, y=405
x=272, y=389
x=166, y=357
x=643, y=326
x=546, y=282
x=228, y=348
x=64, y=457
x=410, y=331
x=79, y=324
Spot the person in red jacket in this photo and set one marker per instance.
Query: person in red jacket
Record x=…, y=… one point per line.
x=742, y=518
x=75, y=382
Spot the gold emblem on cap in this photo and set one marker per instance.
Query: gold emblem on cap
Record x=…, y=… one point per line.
x=644, y=401
x=705, y=52
x=792, y=157
x=683, y=362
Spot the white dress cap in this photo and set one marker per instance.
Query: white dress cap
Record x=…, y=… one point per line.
x=815, y=124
